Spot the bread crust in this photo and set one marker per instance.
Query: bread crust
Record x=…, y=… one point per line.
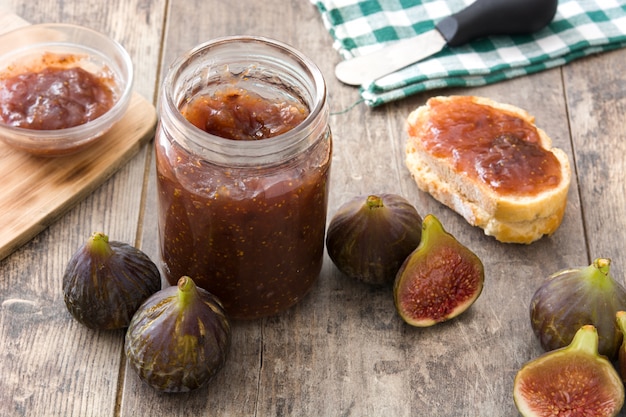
x=509, y=218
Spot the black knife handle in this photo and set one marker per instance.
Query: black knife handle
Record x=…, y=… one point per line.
x=496, y=17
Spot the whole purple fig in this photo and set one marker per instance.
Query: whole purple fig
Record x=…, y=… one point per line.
x=369, y=237
x=179, y=338
x=572, y=298
x=106, y=282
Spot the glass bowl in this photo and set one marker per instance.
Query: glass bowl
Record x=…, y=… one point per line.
x=36, y=47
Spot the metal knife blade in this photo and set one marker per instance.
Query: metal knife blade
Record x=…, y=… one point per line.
x=363, y=69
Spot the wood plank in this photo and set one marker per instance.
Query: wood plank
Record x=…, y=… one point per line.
x=37, y=191
x=596, y=101
x=343, y=350
x=51, y=366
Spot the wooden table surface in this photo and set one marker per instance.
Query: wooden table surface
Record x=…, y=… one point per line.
x=343, y=351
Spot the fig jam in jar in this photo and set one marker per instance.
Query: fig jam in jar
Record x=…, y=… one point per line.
x=243, y=153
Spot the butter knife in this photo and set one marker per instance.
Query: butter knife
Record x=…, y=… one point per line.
x=480, y=19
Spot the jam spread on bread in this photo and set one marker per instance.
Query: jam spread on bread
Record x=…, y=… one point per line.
x=498, y=148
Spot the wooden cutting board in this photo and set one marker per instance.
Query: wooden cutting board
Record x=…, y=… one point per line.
x=36, y=191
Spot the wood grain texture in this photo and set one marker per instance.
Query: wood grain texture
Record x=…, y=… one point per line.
x=597, y=109
x=51, y=366
x=37, y=191
x=342, y=351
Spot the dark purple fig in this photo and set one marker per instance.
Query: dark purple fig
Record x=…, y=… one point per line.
x=571, y=298
x=571, y=381
x=621, y=353
x=179, y=338
x=369, y=237
x=439, y=280
x=106, y=282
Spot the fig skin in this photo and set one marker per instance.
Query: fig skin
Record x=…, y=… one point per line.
x=621, y=354
x=438, y=281
x=369, y=237
x=571, y=298
x=573, y=380
x=179, y=338
x=105, y=282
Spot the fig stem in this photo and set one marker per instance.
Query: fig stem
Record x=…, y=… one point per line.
x=374, y=202
x=187, y=291
x=431, y=226
x=603, y=265
x=585, y=340
x=599, y=273
x=98, y=245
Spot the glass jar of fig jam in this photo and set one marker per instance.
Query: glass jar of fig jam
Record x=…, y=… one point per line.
x=243, y=154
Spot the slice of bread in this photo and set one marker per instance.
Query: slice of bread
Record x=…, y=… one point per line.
x=467, y=169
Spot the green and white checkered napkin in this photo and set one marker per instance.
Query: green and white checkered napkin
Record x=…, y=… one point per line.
x=580, y=28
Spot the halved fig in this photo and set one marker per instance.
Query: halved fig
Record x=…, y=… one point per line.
x=571, y=298
x=438, y=281
x=571, y=381
x=369, y=237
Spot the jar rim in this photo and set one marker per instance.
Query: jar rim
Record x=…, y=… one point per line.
x=201, y=141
